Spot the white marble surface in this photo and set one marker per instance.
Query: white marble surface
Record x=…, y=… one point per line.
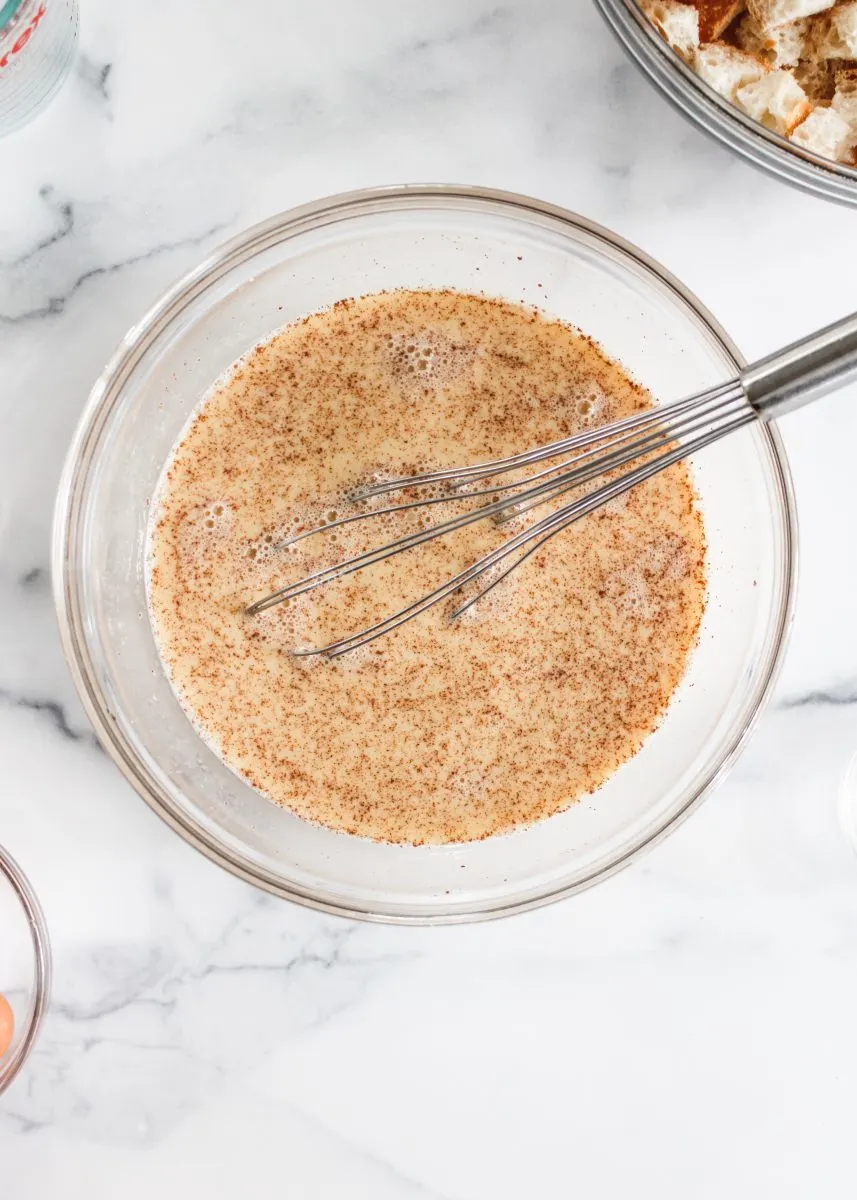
x=686, y=1030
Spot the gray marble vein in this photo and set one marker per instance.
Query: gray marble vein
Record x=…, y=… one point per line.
x=36, y=579
x=62, y=214
x=52, y=710
x=95, y=75
x=56, y=304
x=844, y=694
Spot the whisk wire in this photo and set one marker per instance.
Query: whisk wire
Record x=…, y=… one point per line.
x=629, y=482
x=500, y=466
x=600, y=464
x=583, y=468
x=551, y=449
x=539, y=533
x=645, y=443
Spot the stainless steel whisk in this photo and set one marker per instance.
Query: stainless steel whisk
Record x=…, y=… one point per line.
x=636, y=448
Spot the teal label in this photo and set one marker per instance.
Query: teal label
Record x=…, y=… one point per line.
x=8, y=8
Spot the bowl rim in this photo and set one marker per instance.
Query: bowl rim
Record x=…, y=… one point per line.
x=96, y=413
x=40, y=938
x=716, y=116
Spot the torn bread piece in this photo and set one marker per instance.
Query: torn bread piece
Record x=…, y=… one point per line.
x=769, y=14
x=845, y=76
x=826, y=133
x=678, y=24
x=779, y=47
x=845, y=97
x=776, y=101
x=715, y=17
x=726, y=69
x=816, y=77
x=834, y=35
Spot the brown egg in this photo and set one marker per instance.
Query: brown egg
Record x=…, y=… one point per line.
x=7, y=1025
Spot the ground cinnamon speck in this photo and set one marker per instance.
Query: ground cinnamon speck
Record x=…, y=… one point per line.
x=440, y=732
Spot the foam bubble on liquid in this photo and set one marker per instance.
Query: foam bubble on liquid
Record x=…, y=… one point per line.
x=631, y=594
x=204, y=528
x=667, y=559
x=587, y=406
x=428, y=359
x=466, y=784
x=634, y=588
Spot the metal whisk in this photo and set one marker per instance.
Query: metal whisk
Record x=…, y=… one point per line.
x=621, y=455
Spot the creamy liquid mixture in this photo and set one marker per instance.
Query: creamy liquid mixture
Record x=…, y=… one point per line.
x=441, y=731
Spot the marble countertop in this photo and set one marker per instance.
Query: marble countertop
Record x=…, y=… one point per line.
x=685, y=1030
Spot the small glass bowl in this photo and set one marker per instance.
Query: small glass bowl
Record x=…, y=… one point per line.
x=25, y=963
x=413, y=237
x=719, y=118
x=38, y=42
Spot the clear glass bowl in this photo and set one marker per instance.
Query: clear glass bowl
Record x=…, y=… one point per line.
x=416, y=237
x=25, y=963
x=717, y=116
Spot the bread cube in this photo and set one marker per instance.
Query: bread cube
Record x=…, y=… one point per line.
x=769, y=14
x=726, y=69
x=776, y=101
x=779, y=47
x=826, y=133
x=715, y=17
x=835, y=34
x=677, y=23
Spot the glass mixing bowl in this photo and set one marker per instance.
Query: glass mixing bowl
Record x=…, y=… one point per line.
x=717, y=116
x=25, y=963
x=414, y=237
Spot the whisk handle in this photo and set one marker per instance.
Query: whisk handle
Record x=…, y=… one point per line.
x=803, y=371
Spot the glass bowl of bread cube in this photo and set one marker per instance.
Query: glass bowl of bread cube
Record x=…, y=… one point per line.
x=775, y=80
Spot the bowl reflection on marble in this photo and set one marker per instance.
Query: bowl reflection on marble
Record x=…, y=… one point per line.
x=717, y=116
x=25, y=964
x=414, y=237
